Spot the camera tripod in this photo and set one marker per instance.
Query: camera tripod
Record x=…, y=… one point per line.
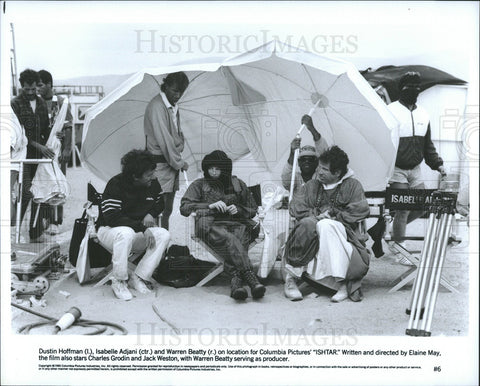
x=425, y=288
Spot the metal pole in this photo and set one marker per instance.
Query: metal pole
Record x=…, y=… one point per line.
x=438, y=276
x=297, y=151
x=15, y=80
x=421, y=266
x=419, y=288
x=429, y=266
x=74, y=121
x=434, y=263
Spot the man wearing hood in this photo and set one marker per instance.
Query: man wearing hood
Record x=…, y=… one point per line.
x=224, y=210
x=415, y=145
x=326, y=242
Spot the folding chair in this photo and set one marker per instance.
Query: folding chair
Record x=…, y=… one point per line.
x=106, y=274
x=198, y=244
x=411, y=199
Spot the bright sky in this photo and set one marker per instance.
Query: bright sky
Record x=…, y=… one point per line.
x=96, y=38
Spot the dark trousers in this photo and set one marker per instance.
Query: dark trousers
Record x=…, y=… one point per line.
x=230, y=239
x=36, y=231
x=167, y=211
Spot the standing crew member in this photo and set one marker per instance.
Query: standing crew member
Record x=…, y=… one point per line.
x=54, y=104
x=414, y=146
x=164, y=137
x=32, y=113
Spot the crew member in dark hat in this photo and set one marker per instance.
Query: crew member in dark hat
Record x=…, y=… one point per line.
x=415, y=145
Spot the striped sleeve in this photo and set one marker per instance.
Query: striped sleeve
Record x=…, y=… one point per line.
x=111, y=206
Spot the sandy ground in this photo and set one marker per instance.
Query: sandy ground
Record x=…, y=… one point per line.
x=210, y=310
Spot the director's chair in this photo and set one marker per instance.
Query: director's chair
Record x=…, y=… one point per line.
x=404, y=199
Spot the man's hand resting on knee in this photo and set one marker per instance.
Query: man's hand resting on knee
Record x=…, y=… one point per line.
x=150, y=238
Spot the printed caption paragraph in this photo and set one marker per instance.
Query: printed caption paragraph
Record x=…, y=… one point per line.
x=111, y=359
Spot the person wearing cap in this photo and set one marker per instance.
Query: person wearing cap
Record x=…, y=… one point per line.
x=415, y=145
x=307, y=158
x=164, y=137
x=326, y=244
x=224, y=210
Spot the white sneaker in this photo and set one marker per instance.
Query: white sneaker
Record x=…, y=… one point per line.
x=294, y=271
x=120, y=289
x=341, y=294
x=291, y=290
x=138, y=284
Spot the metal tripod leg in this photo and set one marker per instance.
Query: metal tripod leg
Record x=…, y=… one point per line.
x=430, y=273
x=416, y=301
x=435, y=280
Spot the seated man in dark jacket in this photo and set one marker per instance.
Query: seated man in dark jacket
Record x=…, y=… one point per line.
x=225, y=208
x=130, y=205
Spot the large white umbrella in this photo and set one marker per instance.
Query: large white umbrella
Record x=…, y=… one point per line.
x=250, y=106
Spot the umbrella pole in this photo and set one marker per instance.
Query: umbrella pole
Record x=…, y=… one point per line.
x=297, y=151
x=186, y=178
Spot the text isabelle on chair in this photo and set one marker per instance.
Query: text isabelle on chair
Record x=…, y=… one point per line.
x=382, y=206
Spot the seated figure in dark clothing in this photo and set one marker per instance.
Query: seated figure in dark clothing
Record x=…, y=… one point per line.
x=224, y=210
x=130, y=205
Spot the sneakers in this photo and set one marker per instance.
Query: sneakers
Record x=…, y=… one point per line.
x=296, y=272
x=291, y=290
x=138, y=284
x=341, y=294
x=120, y=289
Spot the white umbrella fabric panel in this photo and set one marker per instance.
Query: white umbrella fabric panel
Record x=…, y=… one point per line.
x=251, y=104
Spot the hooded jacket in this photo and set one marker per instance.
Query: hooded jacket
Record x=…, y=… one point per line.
x=229, y=189
x=415, y=143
